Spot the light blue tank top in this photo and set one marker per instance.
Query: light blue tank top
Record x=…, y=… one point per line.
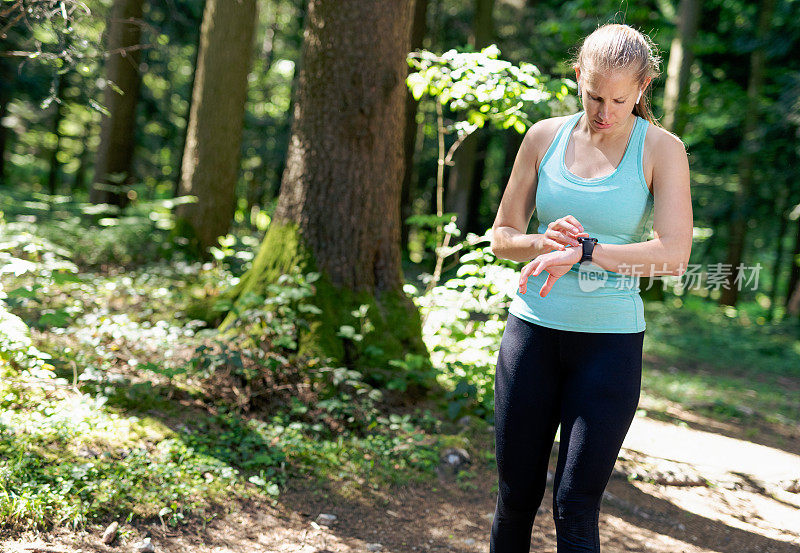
x=616, y=209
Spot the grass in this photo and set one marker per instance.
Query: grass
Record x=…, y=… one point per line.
x=717, y=360
x=116, y=405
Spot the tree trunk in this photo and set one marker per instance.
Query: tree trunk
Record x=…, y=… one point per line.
x=275, y=184
x=114, y=161
x=84, y=159
x=418, y=30
x=179, y=176
x=338, y=212
x=794, y=273
x=4, y=100
x=476, y=192
x=780, y=239
x=461, y=180
x=750, y=144
x=211, y=157
x=54, y=175
x=679, y=66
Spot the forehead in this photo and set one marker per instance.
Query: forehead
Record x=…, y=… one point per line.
x=611, y=83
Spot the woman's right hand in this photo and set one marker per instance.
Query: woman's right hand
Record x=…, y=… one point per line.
x=561, y=233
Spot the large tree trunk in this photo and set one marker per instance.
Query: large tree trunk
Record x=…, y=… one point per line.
x=466, y=172
x=750, y=147
x=678, y=68
x=338, y=212
x=188, y=112
x=793, y=286
x=275, y=182
x=114, y=162
x=418, y=30
x=211, y=157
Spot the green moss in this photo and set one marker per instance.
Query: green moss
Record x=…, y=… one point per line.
x=396, y=321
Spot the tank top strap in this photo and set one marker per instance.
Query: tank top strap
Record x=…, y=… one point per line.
x=557, y=145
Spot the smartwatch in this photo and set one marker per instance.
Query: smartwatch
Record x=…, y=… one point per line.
x=588, y=243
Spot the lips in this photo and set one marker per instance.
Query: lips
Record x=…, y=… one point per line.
x=602, y=125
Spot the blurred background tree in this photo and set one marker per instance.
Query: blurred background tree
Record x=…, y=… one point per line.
x=97, y=105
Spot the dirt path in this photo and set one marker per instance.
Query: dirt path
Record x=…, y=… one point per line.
x=743, y=510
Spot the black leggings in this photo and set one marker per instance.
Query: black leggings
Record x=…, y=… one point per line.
x=588, y=382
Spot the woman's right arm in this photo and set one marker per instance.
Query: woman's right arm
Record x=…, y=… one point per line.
x=509, y=240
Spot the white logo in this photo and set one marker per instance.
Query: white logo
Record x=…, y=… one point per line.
x=591, y=276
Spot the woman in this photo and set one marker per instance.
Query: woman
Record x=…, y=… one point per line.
x=571, y=352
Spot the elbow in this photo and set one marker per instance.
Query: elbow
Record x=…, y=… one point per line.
x=681, y=266
x=681, y=252
x=495, y=251
x=493, y=245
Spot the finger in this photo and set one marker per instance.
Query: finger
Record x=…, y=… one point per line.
x=548, y=285
x=556, y=245
x=540, y=265
x=572, y=220
x=525, y=273
x=569, y=240
x=523, y=278
x=565, y=228
x=553, y=239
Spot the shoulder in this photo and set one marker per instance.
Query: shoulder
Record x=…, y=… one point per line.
x=544, y=130
x=663, y=146
x=541, y=134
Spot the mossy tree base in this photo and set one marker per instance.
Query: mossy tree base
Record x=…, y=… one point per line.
x=397, y=329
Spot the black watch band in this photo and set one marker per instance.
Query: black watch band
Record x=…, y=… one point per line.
x=588, y=247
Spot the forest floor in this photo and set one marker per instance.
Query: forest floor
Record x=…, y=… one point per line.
x=710, y=464
x=684, y=483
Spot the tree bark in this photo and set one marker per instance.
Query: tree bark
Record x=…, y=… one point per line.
x=114, y=161
x=783, y=227
x=418, y=30
x=338, y=213
x=679, y=66
x=476, y=191
x=179, y=175
x=462, y=178
x=275, y=182
x=793, y=285
x=211, y=157
x=750, y=146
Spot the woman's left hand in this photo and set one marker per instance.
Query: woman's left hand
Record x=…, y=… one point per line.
x=557, y=263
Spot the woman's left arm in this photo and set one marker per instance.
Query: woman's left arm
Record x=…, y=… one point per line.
x=668, y=253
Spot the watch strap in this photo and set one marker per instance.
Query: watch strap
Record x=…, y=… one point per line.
x=587, y=242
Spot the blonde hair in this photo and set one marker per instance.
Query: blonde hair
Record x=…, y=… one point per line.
x=615, y=46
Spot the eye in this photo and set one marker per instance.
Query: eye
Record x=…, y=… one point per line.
x=593, y=98
x=619, y=101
